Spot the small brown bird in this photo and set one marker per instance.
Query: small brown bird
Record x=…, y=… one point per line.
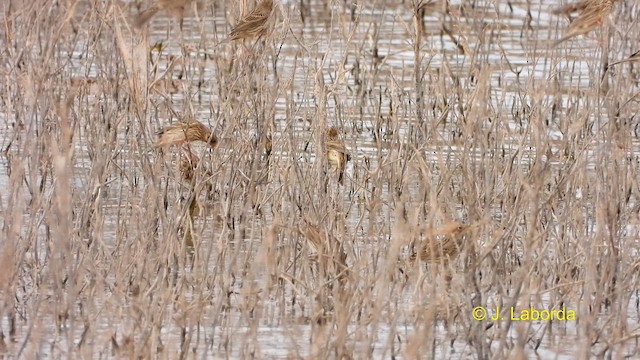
x=445, y=248
x=184, y=133
x=268, y=145
x=187, y=168
x=188, y=164
x=593, y=13
x=254, y=24
x=337, y=154
x=174, y=7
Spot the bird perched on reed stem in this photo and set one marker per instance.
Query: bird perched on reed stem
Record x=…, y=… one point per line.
x=254, y=24
x=442, y=245
x=337, y=155
x=268, y=145
x=592, y=14
x=174, y=7
x=187, y=167
x=184, y=133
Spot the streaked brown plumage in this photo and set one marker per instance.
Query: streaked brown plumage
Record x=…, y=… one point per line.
x=593, y=13
x=254, y=24
x=186, y=132
x=336, y=152
x=187, y=168
x=442, y=245
x=268, y=145
x=175, y=7
x=188, y=164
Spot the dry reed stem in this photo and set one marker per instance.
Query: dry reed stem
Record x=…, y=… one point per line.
x=593, y=13
x=174, y=7
x=100, y=238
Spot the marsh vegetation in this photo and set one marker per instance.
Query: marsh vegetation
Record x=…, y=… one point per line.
x=452, y=118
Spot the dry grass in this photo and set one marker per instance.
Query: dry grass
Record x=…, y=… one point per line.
x=450, y=113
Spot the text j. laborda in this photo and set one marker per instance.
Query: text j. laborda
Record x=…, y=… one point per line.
x=528, y=314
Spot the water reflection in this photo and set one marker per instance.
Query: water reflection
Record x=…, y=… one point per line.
x=492, y=87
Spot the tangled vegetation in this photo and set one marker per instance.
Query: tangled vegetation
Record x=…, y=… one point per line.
x=366, y=174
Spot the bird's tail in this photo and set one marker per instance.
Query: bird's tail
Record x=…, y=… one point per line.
x=563, y=39
x=570, y=8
